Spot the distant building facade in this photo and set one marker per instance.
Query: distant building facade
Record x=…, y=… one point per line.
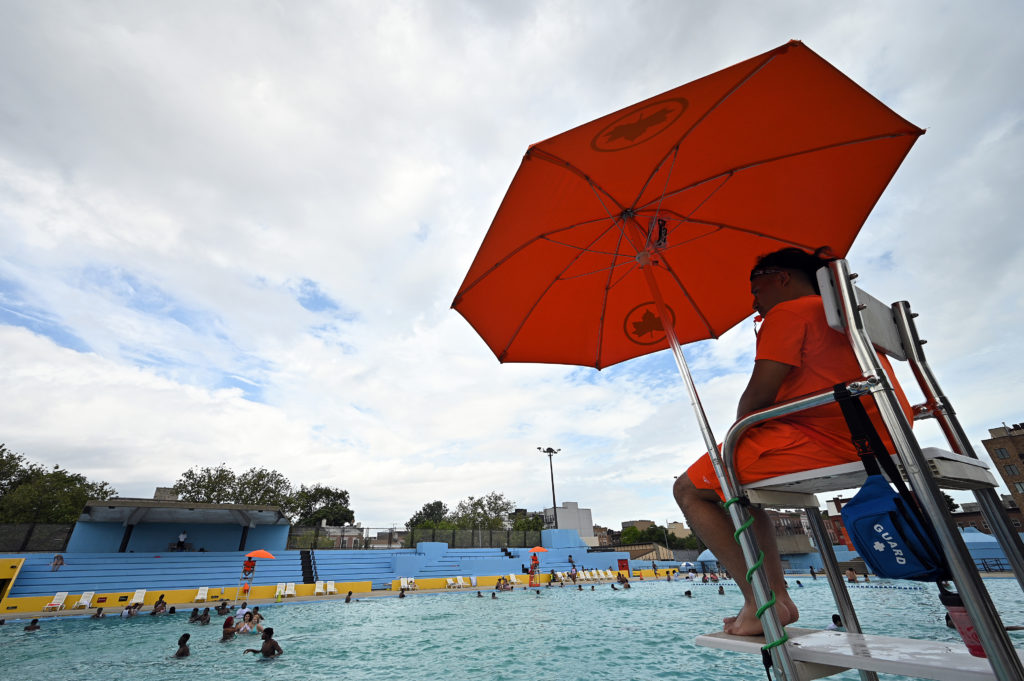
x=571, y=517
x=638, y=524
x=680, y=530
x=1006, y=447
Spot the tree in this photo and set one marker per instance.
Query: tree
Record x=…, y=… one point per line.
x=533, y=523
x=207, y=485
x=263, y=486
x=310, y=505
x=431, y=515
x=14, y=470
x=630, y=535
x=950, y=503
x=489, y=512
x=55, y=496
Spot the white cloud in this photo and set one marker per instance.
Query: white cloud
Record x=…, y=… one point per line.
x=168, y=174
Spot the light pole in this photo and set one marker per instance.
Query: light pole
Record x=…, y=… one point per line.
x=554, y=505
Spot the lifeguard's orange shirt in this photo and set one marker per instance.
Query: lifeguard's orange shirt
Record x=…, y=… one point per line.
x=795, y=332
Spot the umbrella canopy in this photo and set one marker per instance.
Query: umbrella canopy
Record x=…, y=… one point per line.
x=259, y=553
x=538, y=549
x=692, y=185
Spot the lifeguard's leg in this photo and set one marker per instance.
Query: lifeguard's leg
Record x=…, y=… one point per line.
x=706, y=517
x=764, y=532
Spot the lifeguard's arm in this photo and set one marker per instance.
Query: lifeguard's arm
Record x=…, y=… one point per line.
x=763, y=386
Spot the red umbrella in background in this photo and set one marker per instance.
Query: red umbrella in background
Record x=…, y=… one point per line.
x=672, y=199
x=259, y=553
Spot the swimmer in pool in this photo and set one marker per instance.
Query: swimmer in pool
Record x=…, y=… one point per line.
x=228, y=632
x=32, y=626
x=270, y=647
x=183, y=650
x=348, y=598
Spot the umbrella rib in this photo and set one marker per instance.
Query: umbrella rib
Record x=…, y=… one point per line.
x=675, y=148
x=595, y=187
x=533, y=306
x=728, y=174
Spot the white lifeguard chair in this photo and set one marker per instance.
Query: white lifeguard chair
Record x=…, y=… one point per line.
x=798, y=654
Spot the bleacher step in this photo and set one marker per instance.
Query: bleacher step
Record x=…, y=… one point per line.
x=822, y=649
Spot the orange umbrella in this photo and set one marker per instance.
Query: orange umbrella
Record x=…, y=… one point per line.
x=538, y=549
x=672, y=199
x=259, y=553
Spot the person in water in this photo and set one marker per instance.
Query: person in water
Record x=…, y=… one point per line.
x=183, y=650
x=228, y=632
x=270, y=648
x=33, y=625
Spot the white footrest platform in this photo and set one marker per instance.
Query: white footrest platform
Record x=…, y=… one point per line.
x=821, y=652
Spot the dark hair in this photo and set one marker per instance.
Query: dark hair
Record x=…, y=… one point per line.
x=268, y=632
x=795, y=260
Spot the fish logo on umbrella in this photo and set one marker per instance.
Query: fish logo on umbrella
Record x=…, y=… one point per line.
x=639, y=125
x=643, y=325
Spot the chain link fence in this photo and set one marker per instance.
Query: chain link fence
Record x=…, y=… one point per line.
x=369, y=538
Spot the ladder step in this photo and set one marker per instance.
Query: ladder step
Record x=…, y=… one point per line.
x=942, y=661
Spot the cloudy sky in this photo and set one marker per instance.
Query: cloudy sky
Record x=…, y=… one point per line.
x=231, y=232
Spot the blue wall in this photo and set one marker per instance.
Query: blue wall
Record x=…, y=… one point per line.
x=95, y=538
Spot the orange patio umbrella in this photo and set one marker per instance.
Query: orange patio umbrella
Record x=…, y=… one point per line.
x=538, y=549
x=259, y=553
x=672, y=199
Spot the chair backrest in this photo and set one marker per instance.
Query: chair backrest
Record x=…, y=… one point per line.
x=403, y=582
x=87, y=598
x=203, y=590
x=59, y=597
x=139, y=596
x=878, y=317
x=280, y=588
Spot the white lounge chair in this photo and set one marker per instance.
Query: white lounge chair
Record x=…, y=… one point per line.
x=57, y=602
x=331, y=589
x=138, y=597
x=201, y=595
x=85, y=601
x=280, y=590
x=403, y=583
x=319, y=590
x=561, y=576
x=289, y=589
x=514, y=580
x=462, y=584
x=449, y=583
x=412, y=584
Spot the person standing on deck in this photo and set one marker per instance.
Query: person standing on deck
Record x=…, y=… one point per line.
x=797, y=354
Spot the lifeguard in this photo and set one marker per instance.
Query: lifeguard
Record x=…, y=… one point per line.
x=797, y=354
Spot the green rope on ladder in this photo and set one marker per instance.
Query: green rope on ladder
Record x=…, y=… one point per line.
x=736, y=534
x=753, y=568
x=774, y=644
x=770, y=603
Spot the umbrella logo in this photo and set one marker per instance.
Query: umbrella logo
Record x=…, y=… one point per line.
x=643, y=325
x=639, y=125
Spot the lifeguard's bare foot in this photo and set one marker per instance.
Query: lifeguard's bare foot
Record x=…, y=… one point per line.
x=746, y=622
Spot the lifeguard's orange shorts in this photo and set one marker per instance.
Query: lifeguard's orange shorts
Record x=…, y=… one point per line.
x=776, y=448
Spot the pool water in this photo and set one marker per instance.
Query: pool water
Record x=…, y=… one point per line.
x=646, y=632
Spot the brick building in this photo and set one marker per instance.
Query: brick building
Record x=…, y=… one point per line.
x=1006, y=447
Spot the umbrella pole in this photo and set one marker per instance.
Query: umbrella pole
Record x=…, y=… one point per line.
x=740, y=517
x=644, y=258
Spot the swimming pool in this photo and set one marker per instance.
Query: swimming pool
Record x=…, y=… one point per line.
x=562, y=634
